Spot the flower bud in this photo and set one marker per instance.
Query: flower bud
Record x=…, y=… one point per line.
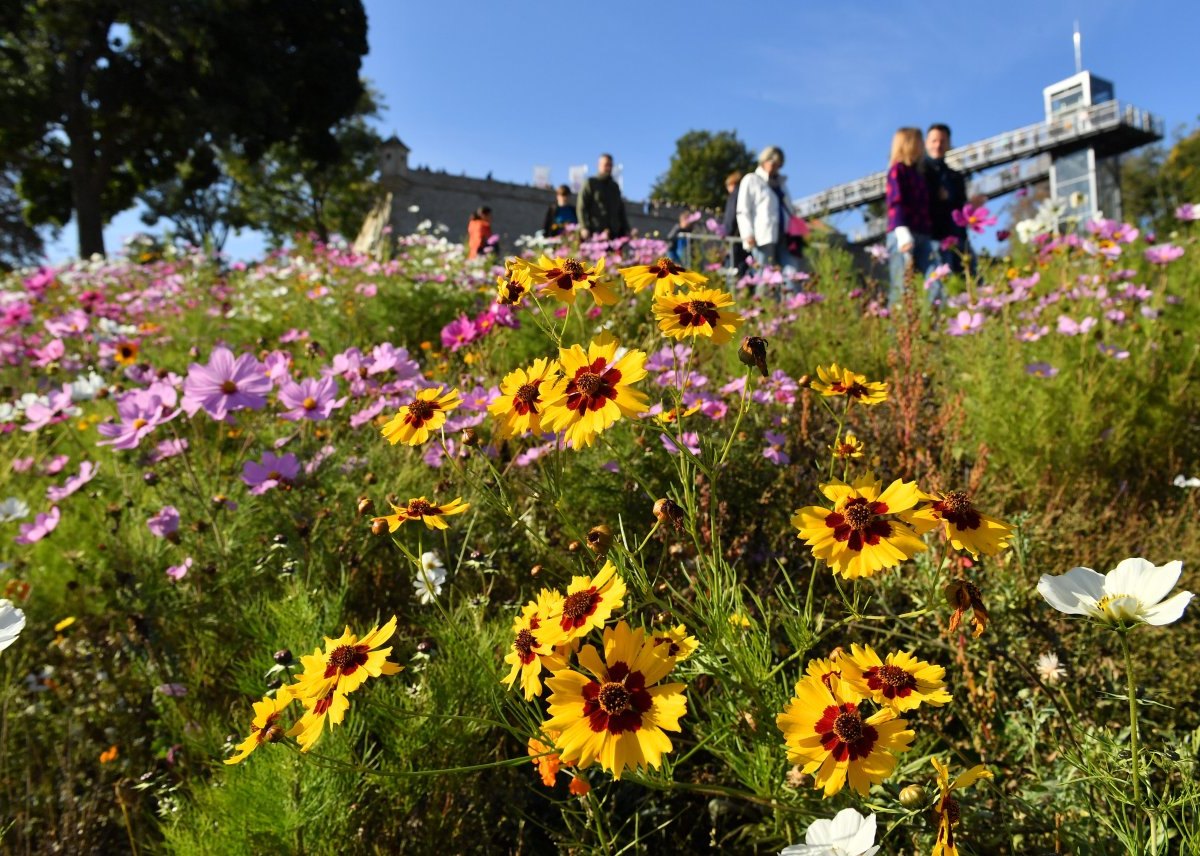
x=573, y=547
x=753, y=352
x=274, y=734
x=805, y=381
x=599, y=539
x=535, y=570
x=912, y=796
x=669, y=511
x=378, y=526
x=283, y=657
x=365, y=504
x=469, y=437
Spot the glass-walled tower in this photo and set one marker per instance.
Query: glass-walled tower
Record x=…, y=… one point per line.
x=1085, y=181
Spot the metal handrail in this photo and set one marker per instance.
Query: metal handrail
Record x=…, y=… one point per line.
x=1038, y=138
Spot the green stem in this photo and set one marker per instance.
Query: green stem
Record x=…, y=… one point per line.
x=1133, y=740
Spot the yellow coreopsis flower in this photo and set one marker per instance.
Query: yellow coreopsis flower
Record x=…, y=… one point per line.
x=565, y=278
x=664, y=275
x=848, y=447
x=521, y=402
x=825, y=669
x=902, y=682
x=516, y=283
x=344, y=666
x=701, y=312
x=535, y=633
x=616, y=716
x=426, y=413
x=595, y=390
x=835, y=380
x=965, y=528
x=590, y=601
x=948, y=810
x=864, y=532
x=829, y=735
x=264, y=728
x=429, y=513
x=677, y=643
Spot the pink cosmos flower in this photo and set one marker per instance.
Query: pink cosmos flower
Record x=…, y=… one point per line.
x=87, y=472
x=1042, y=369
x=270, y=472
x=68, y=324
x=59, y=407
x=226, y=384
x=1068, y=326
x=293, y=335
x=1187, y=212
x=774, y=451
x=177, y=572
x=965, y=323
x=168, y=449
x=55, y=465
x=41, y=526
x=51, y=352
x=22, y=465
x=975, y=219
x=690, y=440
x=459, y=333
x=165, y=523
x=140, y=412
x=1113, y=351
x=309, y=399
x=1163, y=254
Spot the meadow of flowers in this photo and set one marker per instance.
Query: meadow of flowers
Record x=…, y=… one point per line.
x=580, y=551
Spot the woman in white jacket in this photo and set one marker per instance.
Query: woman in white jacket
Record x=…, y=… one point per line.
x=763, y=212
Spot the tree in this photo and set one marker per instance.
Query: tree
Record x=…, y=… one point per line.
x=702, y=161
x=201, y=201
x=287, y=191
x=104, y=98
x=1155, y=181
x=20, y=244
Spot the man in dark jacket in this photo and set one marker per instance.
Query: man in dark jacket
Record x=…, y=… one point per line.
x=947, y=194
x=601, y=208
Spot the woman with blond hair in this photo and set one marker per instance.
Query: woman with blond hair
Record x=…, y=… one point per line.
x=908, y=242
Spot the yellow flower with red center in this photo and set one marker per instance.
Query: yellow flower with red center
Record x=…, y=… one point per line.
x=565, y=278
x=535, y=633
x=330, y=707
x=126, y=353
x=701, y=312
x=521, y=402
x=429, y=513
x=965, y=528
x=901, y=682
x=345, y=665
x=514, y=286
x=595, y=391
x=948, y=810
x=676, y=642
x=589, y=602
x=865, y=531
x=825, y=669
x=848, y=447
x=664, y=275
x=837, y=381
x=425, y=414
x=616, y=716
x=830, y=735
x=265, y=726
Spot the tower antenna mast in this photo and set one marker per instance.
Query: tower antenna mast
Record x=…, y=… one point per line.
x=1078, y=50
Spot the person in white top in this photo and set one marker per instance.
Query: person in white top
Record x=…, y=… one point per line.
x=763, y=212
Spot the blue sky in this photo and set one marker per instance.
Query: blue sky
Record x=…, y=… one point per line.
x=479, y=87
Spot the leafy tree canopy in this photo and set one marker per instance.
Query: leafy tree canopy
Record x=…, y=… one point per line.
x=104, y=98
x=1155, y=181
x=702, y=161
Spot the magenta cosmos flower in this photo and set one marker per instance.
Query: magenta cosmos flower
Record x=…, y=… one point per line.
x=225, y=385
x=309, y=399
x=975, y=219
x=165, y=523
x=41, y=526
x=140, y=412
x=270, y=472
x=87, y=472
x=1163, y=254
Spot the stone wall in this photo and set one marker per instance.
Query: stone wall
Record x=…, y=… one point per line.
x=517, y=209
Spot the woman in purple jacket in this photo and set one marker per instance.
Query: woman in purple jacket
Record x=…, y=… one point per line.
x=908, y=224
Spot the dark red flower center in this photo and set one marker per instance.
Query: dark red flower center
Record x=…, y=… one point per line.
x=525, y=400
x=672, y=645
x=854, y=390
x=592, y=387
x=323, y=704
x=859, y=523
x=524, y=645
x=578, y=606
x=697, y=313
x=844, y=733
x=574, y=270
x=421, y=508
x=956, y=507
x=894, y=681
x=618, y=704
x=664, y=267
x=229, y=387
x=420, y=411
x=344, y=659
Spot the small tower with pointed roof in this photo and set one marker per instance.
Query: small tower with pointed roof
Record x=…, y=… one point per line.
x=393, y=157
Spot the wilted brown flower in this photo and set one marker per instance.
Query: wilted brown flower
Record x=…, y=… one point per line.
x=753, y=352
x=599, y=539
x=669, y=511
x=963, y=595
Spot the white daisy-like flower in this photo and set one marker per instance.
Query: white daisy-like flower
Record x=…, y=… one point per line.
x=12, y=509
x=1049, y=669
x=430, y=577
x=1131, y=593
x=1183, y=481
x=12, y=622
x=847, y=834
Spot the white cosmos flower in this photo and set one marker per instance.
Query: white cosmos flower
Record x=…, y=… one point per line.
x=848, y=834
x=1130, y=593
x=12, y=622
x=1180, y=480
x=1049, y=669
x=429, y=578
x=13, y=508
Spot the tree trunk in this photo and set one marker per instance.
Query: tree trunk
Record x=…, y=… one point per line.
x=87, y=172
x=88, y=215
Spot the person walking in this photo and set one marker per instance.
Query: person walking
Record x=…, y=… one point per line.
x=561, y=214
x=601, y=208
x=738, y=255
x=763, y=212
x=479, y=230
x=947, y=193
x=908, y=224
